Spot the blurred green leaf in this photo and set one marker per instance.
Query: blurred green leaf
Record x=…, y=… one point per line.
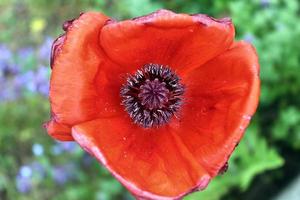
x=252, y=157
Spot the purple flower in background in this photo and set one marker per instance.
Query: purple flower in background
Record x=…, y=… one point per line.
x=35, y=81
x=249, y=37
x=69, y=146
x=60, y=175
x=38, y=169
x=264, y=3
x=42, y=80
x=87, y=159
x=10, y=90
x=25, y=80
x=25, y=53
x=45, y=49
x=61, y=147
x=63, y=173
x=37, y=149
x=11, y=84
x=56, y=149
x=23, y=179
x=43, y=89
x=5, y=54
x=25, y=171
x=23, y=184
x=7, y=65
x=11, y=69
x=28, y=175
x=14, y=82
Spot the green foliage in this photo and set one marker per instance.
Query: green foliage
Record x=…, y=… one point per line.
x=141, y=7
x=252, y=157
x=271, y=25
x=287, y=125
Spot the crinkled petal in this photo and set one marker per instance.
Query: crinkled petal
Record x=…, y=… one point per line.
x=73, y=95
x=58, y=131
x=221, y=97
x=181, y=41
x=151, y=163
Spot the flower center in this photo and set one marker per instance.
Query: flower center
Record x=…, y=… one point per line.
x=152, y=95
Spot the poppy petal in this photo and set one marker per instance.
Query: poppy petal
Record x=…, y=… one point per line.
x=58, y=131
x=72, y=92
x=221, y=97
x=151, y=163
x=181, y=41
x=108, y=84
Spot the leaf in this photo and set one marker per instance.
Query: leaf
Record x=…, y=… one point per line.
x=287, y=126
x=252, y=157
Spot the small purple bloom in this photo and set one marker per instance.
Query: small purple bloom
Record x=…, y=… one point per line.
x=87, y=159
x=25, y=53
x=13, y=84
x=7, y=65
x=56, y=149
x=69, y=146
x=37, y=149
x=43, y=90
x=45, y=49
x=61, y=147
x=60, y=175
x=9, y=90
x=5, y=53
x=23, y=184
x=249, y=37
x=23, y=179
x=38, y=169
x=35, y=81
x=7, y=70
x=26, y=80
x=64, y=173
x=42, y=80
x=25, y=171
x=264, y=3
x=11, y=69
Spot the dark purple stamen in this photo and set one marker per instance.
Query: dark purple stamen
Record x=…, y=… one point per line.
x=152, y=95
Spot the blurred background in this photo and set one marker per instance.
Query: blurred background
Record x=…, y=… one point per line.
x=33, y=166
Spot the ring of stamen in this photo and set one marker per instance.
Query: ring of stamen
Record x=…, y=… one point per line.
x=152, y=95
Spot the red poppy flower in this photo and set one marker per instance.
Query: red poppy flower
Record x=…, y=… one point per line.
x=160, y=100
